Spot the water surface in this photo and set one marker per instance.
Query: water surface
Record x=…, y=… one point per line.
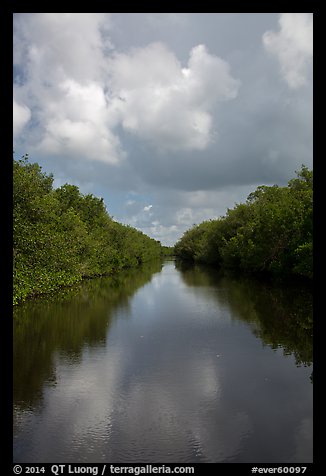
x=165, y=365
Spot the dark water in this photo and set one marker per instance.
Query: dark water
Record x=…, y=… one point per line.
x=165, y=365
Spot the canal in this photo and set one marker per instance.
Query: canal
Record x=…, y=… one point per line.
x=165, y=365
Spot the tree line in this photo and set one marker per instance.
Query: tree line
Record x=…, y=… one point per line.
x=61, y=236
x=271, y=233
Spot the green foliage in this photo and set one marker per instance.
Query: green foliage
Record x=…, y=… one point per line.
x=270, y=233
x=168, y=251
x=62, y=236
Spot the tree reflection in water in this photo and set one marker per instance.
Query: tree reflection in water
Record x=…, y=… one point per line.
x=279, y=314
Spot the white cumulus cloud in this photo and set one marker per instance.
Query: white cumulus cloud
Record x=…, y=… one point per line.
x=293, y=46
x=79, y=122
x=81, y=91
x=21, y=115
x=170, y=106
x=54, y=46
x=59, y=60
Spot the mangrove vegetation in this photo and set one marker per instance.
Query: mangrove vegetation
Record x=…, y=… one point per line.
x=61, y=236
x=270, y=234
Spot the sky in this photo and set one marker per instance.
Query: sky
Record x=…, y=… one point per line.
x=171, y=118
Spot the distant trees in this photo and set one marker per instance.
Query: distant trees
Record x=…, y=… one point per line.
x=270, y=233
x=61, y=236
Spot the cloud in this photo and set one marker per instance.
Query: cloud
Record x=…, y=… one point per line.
x=21, y=115
x=59, y=62
x=80, y=90
x=141, y=108
x=166, y=104
x=79, y=123
x=54, y=46
x=147, y=208
x=293, y=46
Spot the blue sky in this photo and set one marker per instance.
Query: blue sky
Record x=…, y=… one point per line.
x=171, y=118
